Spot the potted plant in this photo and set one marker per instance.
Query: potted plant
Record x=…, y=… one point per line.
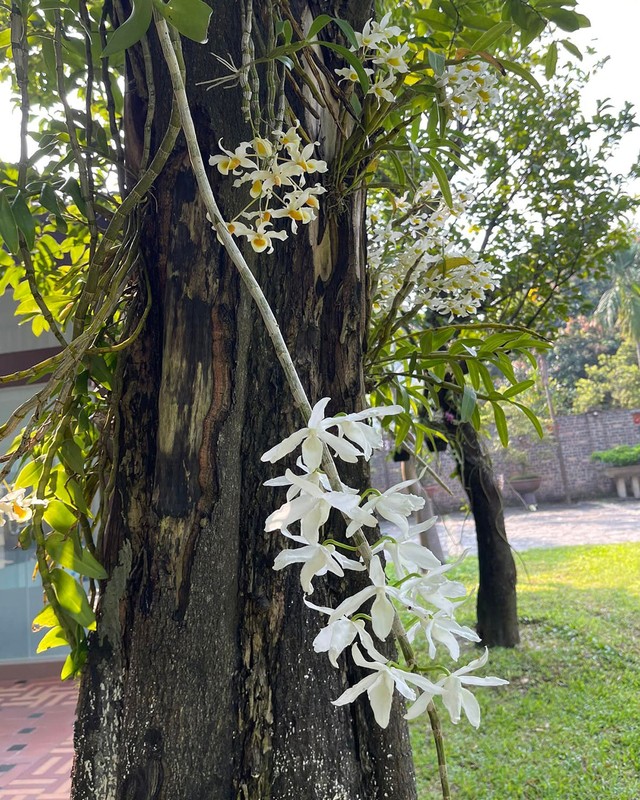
x=624, y=462
x=521, y=478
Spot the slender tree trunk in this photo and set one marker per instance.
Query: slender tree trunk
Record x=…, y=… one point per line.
x=497, y=608
x=544, y=375
x=430, y=537
x=201, y=680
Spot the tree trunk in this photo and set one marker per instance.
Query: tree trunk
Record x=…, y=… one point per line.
x=201, y=680
x=429, y=538
x=497, y=608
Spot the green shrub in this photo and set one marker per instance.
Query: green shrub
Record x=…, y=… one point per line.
x=624, y=455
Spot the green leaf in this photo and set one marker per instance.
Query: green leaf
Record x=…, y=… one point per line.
x=501, y=424
x=492, y=35
x=441, y=177
x=62, y=550
x=59, y=517
x=468, y=403
x=132, y=29
x=402, y=427
x=24, y=220
x=100, y=372
x=72, y=187
x=190, y=17
x=320, y=22
x=400, y=173
x=352, y=60
x=518, y=388
x=522, y=14
x=76, y=497
x=74, y=661
x=436, y=61
x=526, y=18
x=531, y=417
x=565, y=19
x=73, y=456
x=348, y=32
x=53, y=638
x=29, y=475
x=49, y=200
x=45, y=619
x=72, y=598
x=522, y=72
x=570, y=46
x=550, y=61
x=8, y=226
x=437, y=20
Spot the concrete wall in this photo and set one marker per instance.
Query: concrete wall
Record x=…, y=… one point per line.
x=580, y=435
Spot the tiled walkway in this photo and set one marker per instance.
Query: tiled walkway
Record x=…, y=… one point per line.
x=36, y=747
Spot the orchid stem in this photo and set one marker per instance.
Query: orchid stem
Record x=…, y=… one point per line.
x=436, y=730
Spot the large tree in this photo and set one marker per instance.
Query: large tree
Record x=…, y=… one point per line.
x=199, y=678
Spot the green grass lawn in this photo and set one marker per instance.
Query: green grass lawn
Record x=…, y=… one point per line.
x=568, y=725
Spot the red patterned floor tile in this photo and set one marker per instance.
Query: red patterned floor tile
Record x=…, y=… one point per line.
x=38, y=714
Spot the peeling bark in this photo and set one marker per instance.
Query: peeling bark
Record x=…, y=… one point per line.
x=201, y=680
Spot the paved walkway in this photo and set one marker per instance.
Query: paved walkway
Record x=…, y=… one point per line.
x=36, y=716
x=594, y=522
x=36, y=747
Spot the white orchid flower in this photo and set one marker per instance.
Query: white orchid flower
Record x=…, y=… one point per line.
x=393, y=59
x=339, y=635
x=382, y=28
x=349, y=74
x=315, y=434
x=395, y=505
x=15, y=507
x=440, y=627
x=312, y=437
x=455, y=697
x=382, y=610
x=380, y=685
x=381, y=89
x=318, y=559
x=406, y=554
x=433, y=588
x=352, y=427
x=233, y=160
x=311, y=509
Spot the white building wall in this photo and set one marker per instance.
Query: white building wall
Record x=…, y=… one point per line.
x=15, y=338
x=20, y=596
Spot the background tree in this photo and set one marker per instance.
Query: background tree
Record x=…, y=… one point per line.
x=619, y=305
x=549, y=209
x=614, y=382
x=549, y=162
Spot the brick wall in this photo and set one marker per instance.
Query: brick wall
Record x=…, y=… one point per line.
x=580, y=435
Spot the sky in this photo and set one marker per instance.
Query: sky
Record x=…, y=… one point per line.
x=615, y=25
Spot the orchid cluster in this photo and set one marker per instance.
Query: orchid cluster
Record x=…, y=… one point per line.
x=420, y=587
x=377, y=43
x=15, y=507
x=468, y=85
x=409, y=248
x=277, y=173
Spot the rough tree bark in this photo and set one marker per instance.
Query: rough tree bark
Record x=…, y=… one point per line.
x=201, y=680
